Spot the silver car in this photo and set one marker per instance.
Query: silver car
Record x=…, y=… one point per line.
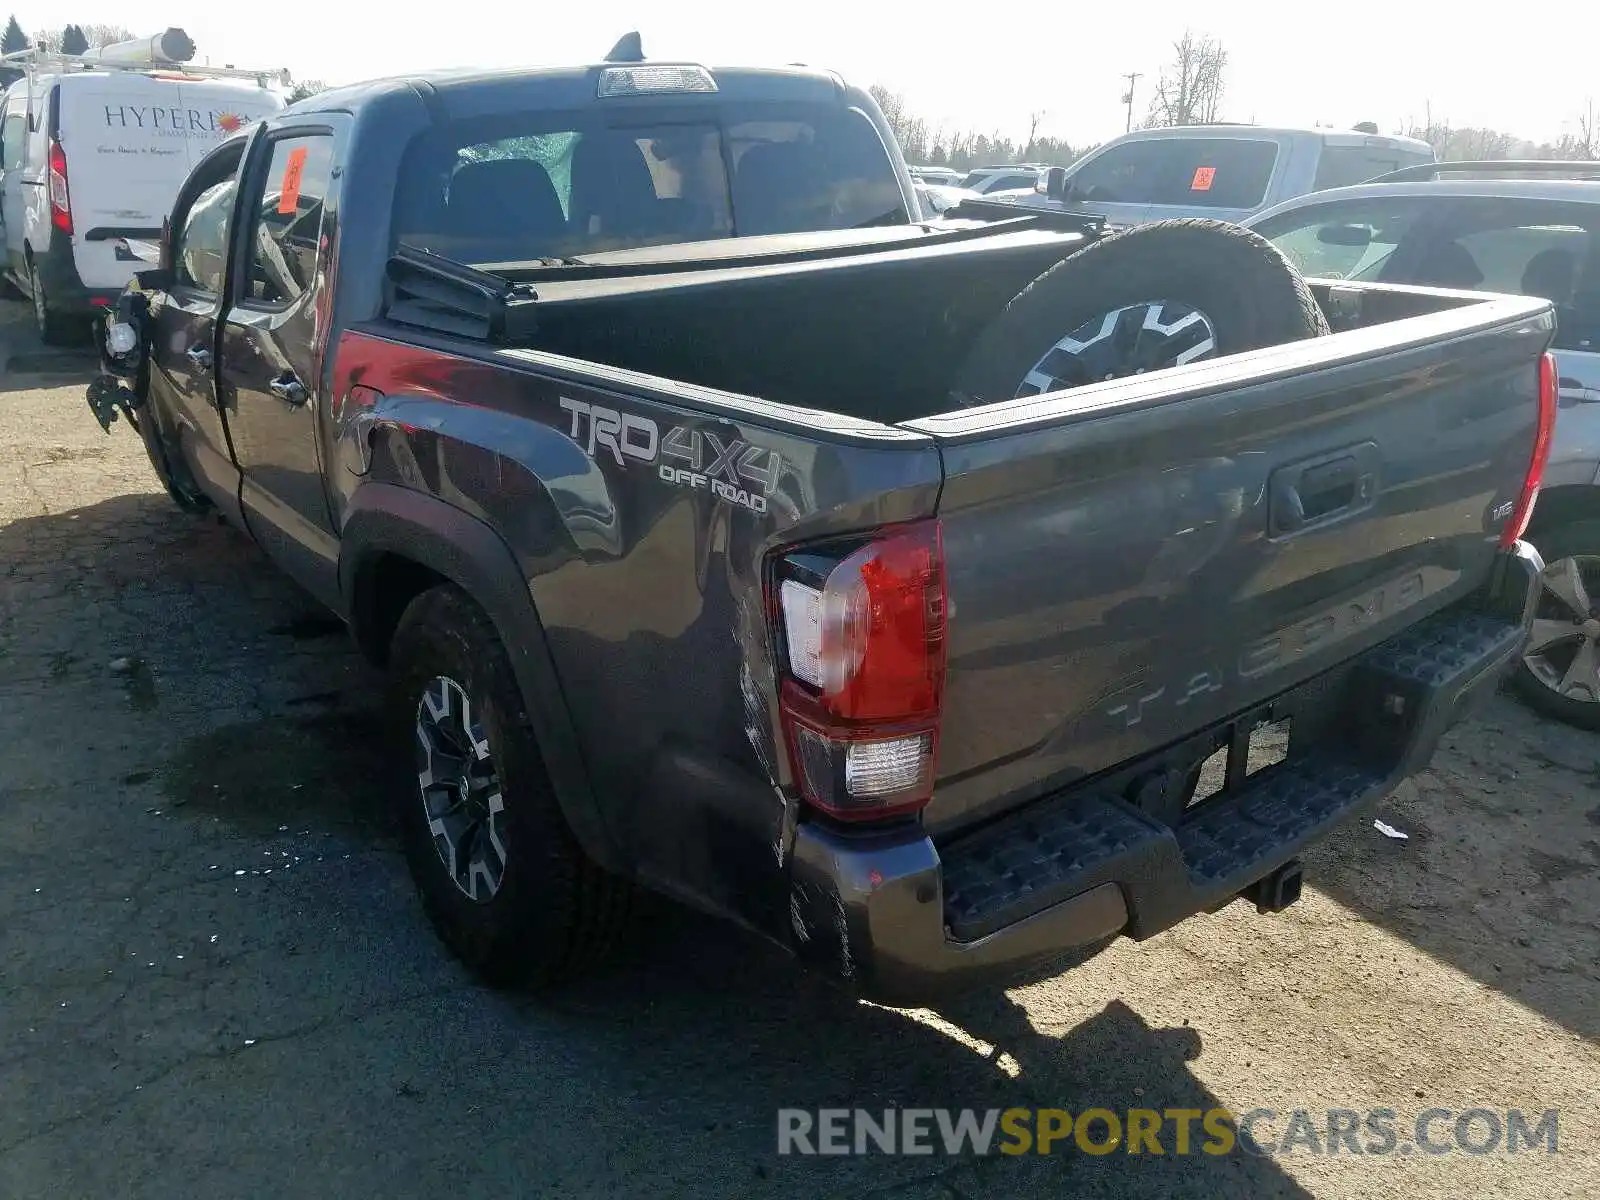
x=1513, y=227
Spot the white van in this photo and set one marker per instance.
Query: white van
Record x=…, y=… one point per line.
x=92, y=153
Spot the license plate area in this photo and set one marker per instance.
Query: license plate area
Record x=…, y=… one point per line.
x=1243, y=749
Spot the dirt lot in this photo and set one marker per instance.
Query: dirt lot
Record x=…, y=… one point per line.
x=214, y=979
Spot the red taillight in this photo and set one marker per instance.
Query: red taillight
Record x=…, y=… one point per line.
x=1549, y=390
x=864, y=642
x=60, y=203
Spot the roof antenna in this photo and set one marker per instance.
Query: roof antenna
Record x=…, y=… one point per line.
x=627, y=49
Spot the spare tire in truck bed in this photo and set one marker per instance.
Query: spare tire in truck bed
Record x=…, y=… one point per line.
x=1156, y=296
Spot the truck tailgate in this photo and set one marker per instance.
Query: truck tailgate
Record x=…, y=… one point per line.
x=1134, y=561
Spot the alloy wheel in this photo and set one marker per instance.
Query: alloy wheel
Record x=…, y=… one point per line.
x=459, y=788
x=1147, y=336
x=1563, y=650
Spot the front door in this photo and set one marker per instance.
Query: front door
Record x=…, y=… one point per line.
x=271, y=353
x=183, y=346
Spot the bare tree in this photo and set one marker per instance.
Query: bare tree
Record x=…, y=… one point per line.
x=106, y=35
x=1587, y=143
x=892, y=104
x=1034, y=118
x=924, y=142
x=1190, y=88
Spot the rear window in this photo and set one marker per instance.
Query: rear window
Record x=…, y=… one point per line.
x=527, y=186
x=1010, y=183
x=1191, y=172
x=1343, y=166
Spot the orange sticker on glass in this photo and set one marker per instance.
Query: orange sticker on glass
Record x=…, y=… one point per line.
x=1200, y=183
x=289, y=189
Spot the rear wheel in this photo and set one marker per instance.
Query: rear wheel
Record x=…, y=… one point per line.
x=1559, y=674
x=501, y=875
x=1157, y=296
x=53, y=328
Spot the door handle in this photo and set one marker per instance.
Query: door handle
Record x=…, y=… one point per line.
x=288, y=389
x=199, y=356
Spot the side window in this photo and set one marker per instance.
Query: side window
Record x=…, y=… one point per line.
x=200, y=254
x=288, y=220
x=1125, y=174
x=1353, y=240
x=1215, y=172
x=1342, y=166
x=1528, y=247
x=13, y=137
x=1533, y=260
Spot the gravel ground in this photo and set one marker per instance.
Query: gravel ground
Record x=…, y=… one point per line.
x=214, y=979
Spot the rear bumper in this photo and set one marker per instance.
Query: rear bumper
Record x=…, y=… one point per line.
x=904, y=921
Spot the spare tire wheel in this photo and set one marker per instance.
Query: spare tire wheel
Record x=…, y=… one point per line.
x=1156, y=296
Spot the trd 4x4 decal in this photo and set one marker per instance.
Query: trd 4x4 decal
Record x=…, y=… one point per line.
x=728, y=468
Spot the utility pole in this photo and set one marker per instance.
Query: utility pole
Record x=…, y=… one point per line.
x=1127, y=97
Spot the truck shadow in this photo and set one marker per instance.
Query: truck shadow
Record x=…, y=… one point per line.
x=33, y=369
x=785, y=1040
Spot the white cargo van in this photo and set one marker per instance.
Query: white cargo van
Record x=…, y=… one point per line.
x=92, y=152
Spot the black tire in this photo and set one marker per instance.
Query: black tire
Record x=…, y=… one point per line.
x=555, y=913
x=53, y=328
x=1250, y=294
x=1576, y=538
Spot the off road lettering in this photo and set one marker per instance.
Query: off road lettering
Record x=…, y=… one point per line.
x=731, y=470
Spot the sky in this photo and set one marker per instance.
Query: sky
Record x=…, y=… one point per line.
x=1289, y=63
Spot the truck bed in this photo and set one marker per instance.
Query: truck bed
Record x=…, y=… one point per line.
x=1119, y=576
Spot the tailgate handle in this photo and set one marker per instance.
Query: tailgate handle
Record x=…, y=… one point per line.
x=1324, y=489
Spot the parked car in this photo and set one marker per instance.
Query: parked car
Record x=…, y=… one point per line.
x=794, y=574
x=93, y=150
x=1228, y=172
x=1517, y=228
x=938, y=176
x=1013, y=177
x=934, y=200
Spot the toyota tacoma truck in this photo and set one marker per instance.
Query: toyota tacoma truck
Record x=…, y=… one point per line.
x=936, y=600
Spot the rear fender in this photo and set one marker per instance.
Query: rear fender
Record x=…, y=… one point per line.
x=381, y=520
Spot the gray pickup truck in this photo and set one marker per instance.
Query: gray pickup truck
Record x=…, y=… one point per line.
x=935, y=600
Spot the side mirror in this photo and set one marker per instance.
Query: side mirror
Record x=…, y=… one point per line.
x=1055, y=183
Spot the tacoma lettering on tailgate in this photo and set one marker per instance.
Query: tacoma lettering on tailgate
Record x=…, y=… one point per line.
x=1287, y=646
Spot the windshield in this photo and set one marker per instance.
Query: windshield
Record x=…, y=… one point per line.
x=527, y=186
